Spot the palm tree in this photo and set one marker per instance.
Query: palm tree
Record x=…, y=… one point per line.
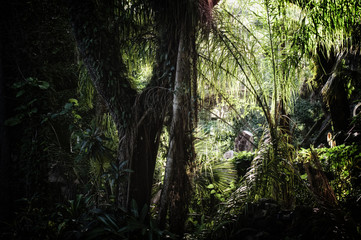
x=262, y=57
x=333, y=43
x=266, y=57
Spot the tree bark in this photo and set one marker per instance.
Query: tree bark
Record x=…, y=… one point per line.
x=176, y=188
x=176, y=123
x=339, y=109
x=329, y=82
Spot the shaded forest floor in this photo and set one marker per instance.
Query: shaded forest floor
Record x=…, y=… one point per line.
x=266, y=220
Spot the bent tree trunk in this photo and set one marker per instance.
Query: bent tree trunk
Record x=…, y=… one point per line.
x=138, y=117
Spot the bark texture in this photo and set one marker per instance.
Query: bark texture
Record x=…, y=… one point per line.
x=176, y=189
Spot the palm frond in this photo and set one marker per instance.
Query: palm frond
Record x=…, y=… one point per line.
x=212, y=171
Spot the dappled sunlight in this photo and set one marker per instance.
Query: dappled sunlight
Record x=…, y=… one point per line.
x=192, y=119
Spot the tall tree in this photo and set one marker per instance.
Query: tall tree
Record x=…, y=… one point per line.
x=138, y=116
x=192, y=14
x=176, y=182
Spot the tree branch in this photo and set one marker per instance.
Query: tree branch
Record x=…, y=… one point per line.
x=99, y=48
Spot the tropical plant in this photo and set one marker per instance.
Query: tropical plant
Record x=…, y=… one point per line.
x=332, y=39
x=71, y=218
x=339, y=165
x=103, y=47
x=116, y=118
x=214, y=177
x=134, y=224
x=31, y=221
x=318, y=182
x=242, y=161
x=95, y=160
x=267, y=69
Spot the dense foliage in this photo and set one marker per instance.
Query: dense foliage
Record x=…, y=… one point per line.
x=193, y=119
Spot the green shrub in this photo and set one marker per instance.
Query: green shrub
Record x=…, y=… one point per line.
x=341, y=165
x=242, y=161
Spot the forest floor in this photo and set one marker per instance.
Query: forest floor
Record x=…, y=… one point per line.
x=266, y=220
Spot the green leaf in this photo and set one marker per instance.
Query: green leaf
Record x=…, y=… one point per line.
x=210, y=186
x=18, y=85
x=143, y=213
x=74, y=101
x=68, y=106
x=13, y=121
x=44, y=120
x=20, y=93
x=61, y=226
x=44, y=85
x=134, y=208
x=33, y=110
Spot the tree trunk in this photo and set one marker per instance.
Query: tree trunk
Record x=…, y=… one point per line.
x=339, y=109
x=141, y=144
x=175, y=193
x=138, y=117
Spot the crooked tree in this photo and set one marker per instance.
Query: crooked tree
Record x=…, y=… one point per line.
x=139, y=116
